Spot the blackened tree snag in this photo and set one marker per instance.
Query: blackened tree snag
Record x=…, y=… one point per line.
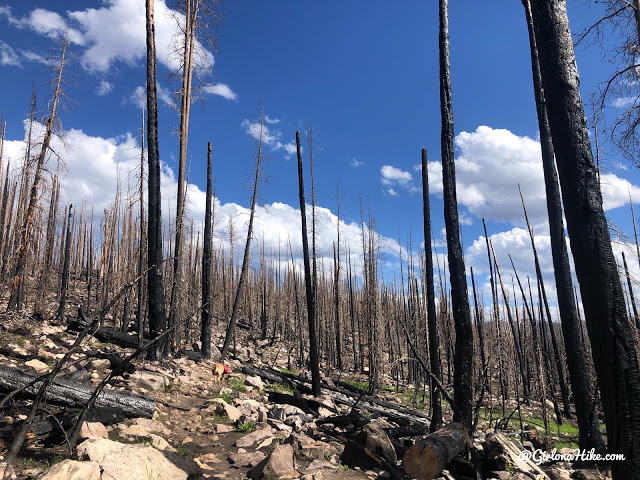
x=432, y=321
x=205, y=333
x=65, y=270
x=463, y=357
x=15, y=298
x=613, y=349
x=590, y=435
x=157, y=308
x=308, y=282
x=245, y=259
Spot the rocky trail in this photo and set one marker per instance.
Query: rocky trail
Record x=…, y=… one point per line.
x=257, y=423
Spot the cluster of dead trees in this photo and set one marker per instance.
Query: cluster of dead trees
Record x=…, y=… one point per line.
x=334, y=315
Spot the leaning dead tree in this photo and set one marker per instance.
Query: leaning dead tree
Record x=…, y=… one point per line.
x=15, y=298
x=463, y=356
x=245, y=259
x=156, y=299
x=613, y=348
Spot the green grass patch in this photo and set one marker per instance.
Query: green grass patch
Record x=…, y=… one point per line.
x=281, y=388
x=184, y=451
x=237, y=385
x=355, y=383
x=168, y=387
x=289, y=372
x=246, y=427
x=22, y=341
x=571, y=445
x=224, y=396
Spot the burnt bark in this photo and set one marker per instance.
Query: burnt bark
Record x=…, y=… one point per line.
x=613, y=349
x=156, y=298
x=65, y=270
x=205, y=316
x=463, y=356
x=308, y=282
x=432, y=321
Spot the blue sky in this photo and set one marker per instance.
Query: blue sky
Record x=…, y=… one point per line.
x=364, y=75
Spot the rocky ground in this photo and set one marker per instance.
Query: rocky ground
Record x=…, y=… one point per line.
x=206, y=430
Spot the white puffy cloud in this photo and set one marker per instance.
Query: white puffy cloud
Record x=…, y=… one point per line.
x=95, y=166
x=8, y=55
x=114, y=33
x=492, y=162
x=139, y=97
x=395, y=177
x=356, y=163
x=223, y=90
x=104, y=88
x=270, y=136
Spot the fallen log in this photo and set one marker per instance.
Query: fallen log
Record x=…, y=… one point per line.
x=107, y=335
x=306, y=405
x=275, y=377
x=428, y=457
x=49, y=426
x=290, y=378
x=64, y=392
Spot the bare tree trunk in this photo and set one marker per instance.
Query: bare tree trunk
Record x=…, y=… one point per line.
x=463, y=357
x=613, y=348
x=590, y=435
x=156, y=299
x=205, y=335
x=245, y=260
x=15, y=298
x=65, y=270
x=432, y=321
x=308, y=281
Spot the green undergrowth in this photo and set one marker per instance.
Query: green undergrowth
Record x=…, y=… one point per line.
x=281, y=388
x=289, y=372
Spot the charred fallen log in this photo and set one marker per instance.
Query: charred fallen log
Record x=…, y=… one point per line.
x=429, y=456
x=63, y=392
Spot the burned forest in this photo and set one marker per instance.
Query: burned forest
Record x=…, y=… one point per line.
x=162, y=318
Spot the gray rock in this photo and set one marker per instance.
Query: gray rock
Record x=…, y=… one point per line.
x=72, y=469
x=249, y=459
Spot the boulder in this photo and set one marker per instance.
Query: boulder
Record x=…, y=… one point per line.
x=38, y=366
x=93, y=429
x=250, y=439
x=223, y=408
x=280, y=462
x=151, y=381
x=254, y=381
x=72, y=469
x=249, y=459
x=129, y=461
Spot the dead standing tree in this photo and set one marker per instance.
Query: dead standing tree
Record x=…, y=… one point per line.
x=590, y=435
x=613, y=348
x=17, y=287
x=156, y=298
x=245, y=259
x=463, y=357
x=308, y=281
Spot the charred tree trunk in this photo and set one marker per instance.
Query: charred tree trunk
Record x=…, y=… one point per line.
x=613, y=349
x=156, y=299
x=590, y=435
x=463, y=356
x=205, y=333
x=308, y=281
x=432, y=321
x=65, y=270
x=245, y=260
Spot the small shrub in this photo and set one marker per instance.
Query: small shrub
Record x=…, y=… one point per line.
x=184, y=451
x=22, y=341
x=168, y=387
x=281, y=388
x=224, y=396
x=246, y=427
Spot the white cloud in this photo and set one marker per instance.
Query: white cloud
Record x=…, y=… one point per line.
x=222, y=90
x=118, y=159
x=114, y=33
x=271, y=120
x=356, y=163
x=490, y=164
x=8, y=55
x=624, y=102
x=392, y=192
x=139, y=97
x=391, y=175
x=270, y=136
x=104, y=88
